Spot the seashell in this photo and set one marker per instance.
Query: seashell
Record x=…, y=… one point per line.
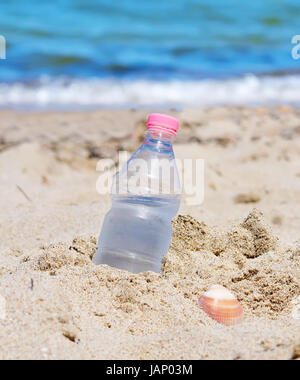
x=221, y=305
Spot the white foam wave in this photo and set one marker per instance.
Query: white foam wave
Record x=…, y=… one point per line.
x=111, y=93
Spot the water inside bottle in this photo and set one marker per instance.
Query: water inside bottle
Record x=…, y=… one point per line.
x=136, y=233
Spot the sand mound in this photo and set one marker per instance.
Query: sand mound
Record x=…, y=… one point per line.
x=246, y=259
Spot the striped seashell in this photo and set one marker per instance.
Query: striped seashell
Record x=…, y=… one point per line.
x=221, y=305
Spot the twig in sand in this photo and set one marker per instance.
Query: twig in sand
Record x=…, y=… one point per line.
x=23, y=192
x=31, y=284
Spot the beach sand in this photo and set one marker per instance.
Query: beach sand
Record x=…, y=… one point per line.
x=245, y=236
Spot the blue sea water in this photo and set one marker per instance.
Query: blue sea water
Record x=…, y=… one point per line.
x=102, y=52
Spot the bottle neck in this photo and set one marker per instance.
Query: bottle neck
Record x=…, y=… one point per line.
x=159, y=140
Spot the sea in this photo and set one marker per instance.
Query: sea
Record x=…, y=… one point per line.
x=135, y=53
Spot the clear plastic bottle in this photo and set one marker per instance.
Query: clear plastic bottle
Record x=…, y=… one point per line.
x=137, y=231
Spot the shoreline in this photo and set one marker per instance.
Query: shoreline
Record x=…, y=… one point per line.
x=61, y=93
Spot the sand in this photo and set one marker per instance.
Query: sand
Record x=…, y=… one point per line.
x=245, y=236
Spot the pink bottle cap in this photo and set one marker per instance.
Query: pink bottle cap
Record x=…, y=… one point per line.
x=164, y=123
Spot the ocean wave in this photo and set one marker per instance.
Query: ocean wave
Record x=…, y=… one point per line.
x=65, y=93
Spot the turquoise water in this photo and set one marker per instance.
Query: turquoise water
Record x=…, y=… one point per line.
x=121, y=47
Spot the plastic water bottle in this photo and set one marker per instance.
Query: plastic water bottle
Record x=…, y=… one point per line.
x=137, y=231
